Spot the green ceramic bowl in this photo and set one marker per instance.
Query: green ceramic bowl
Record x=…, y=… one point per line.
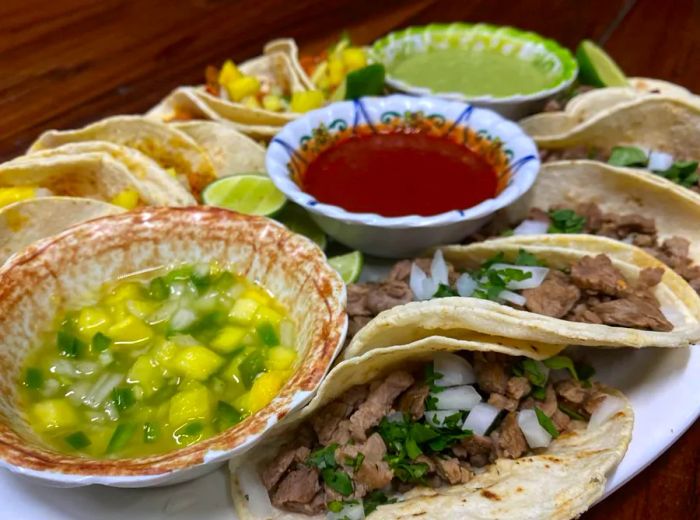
x=550, y=67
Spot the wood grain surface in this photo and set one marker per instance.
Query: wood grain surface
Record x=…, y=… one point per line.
x=64, y=63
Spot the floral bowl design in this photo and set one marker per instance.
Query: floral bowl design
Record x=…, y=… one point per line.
x=501, y=142
x=555, y=62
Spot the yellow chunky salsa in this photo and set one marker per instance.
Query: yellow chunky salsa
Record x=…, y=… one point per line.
x=158, y=361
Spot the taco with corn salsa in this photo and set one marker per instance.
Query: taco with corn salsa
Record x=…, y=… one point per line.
x=424, y=429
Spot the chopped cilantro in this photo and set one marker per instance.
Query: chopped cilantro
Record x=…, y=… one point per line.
x=355, y=462
x=68, y=344
x=562, y=362
x=100, y=342
x=443, y=291
x=565, y=221
x=431, y=402
x=323, y=458
x=337, y=480
x=407, y=471
x=527, y=259
x=431, y=376
x=532, y=370
x=546, y=423
x=684, y=173
x=628, y=156
x=571, y=412
x=375, y=499
x=538, y=393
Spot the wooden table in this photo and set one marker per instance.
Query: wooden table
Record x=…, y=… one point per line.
x=64, y=63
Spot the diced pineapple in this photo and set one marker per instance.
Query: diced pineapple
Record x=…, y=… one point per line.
x=273, y=103
x=123, y=292
x=92, y=320
x=243, y=310
x=280, y=358
x=231, y=372
x=228, y=339
x=228, y=73
x=251, y=102
x=141, y=308
x=242, y=87
x=336, y=71
x=303, y=101
x=354, y=58
x=146, y=373
x=129, y=332
x=190, y=405
x=265, y=387
x=258, y=295
x=53, y=414
x=197, y=362
x=11, y=195
x=165, y=355
x=127, y=199
x=268, y=314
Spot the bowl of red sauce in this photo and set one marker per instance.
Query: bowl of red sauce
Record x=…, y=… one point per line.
x=395, y=175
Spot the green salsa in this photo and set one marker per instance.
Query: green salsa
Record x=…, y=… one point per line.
x=156, y=362
x=471, y=72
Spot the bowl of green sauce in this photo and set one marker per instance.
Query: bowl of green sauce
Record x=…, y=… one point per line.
x=505, y=69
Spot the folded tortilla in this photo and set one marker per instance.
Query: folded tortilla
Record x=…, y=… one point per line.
x=27, y=221
x=558, y=482
x=166, y=145
x=453, y=317
x=675, y=210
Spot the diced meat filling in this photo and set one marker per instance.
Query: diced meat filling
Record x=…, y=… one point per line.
x=355, y=431
x=555, y=297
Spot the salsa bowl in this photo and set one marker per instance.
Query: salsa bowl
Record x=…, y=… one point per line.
x=66, y=267
x=500, y=143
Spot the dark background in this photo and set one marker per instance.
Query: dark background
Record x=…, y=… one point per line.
x=64, y=63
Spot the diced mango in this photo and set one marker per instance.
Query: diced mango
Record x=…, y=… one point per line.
x=242, y=87
x=303, y=101
x=354, y=58
x=268, y=314
x=127, y=199
x=190, y=405
x=130, y=331
x=123, y=292
x=10, y=195
x=92, y=320
x=281, y=358
x=243, y=310
x=53, y=414
x=228, y=73
x=258, y=295
x=336, y=71
x=251, y=102
x=146, y=373
x=273, y=103
x=265, y=387
x=228, y=339
x=141, y=308
x=165, y=355
x=197, y=362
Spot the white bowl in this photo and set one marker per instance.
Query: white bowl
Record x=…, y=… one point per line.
x=411, y=234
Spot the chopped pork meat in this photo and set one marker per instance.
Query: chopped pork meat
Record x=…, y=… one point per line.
x=597, y=273
x=378, y=404
x=555, y=297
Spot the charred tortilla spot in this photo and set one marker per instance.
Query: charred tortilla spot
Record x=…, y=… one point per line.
x=490, y=495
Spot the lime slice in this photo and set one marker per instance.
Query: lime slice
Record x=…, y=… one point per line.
x=299, y=221
x=251, y=194
x=597, y=68
x=367, y=81
x=349, y=266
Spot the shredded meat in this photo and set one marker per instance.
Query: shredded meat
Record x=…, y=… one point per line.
x=413, y=401
x=597, y=273
x=509, y=441
x=555, y=297
x=378, y=404
x=297, y=490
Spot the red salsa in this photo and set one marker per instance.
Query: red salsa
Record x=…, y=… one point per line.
x=397, y=174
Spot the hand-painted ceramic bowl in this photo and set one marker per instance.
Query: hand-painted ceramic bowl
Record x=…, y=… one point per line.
x=509, y=149
x=519, y=56
x=86, y=256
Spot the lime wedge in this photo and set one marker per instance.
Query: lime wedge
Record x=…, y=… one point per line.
x=349, y=266
x=299, y=221
x=251, y=194
x=597, y=68
x=367, y=81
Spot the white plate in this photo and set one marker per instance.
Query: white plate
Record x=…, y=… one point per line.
x=661, y=383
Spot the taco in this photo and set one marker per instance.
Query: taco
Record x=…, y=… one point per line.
x=625, y=204
x=92, y=175
x=231, y=151
x=27, y=221
x=560, y=292
x=167, y=146
x=416, y=430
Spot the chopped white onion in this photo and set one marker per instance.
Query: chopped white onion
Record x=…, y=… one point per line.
x=50, y=387
x=605, y=410
x=422, y=285
x=511, y=297
x=86, y=368
x=182, y=319
x=254, y=492
x=455, y=370
x=354, y=511
x=480, y=418
x=438, y=269
x=105, y=358
x=537, y=276
x=184, y=340
x=437, y=417
x=63, y=367
x=466, y=285
x=101, y=389
x=457, y=398
x=163, y=313
x=531, y=227
x=659, y=161
x=111, y=411
x=535, y=435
